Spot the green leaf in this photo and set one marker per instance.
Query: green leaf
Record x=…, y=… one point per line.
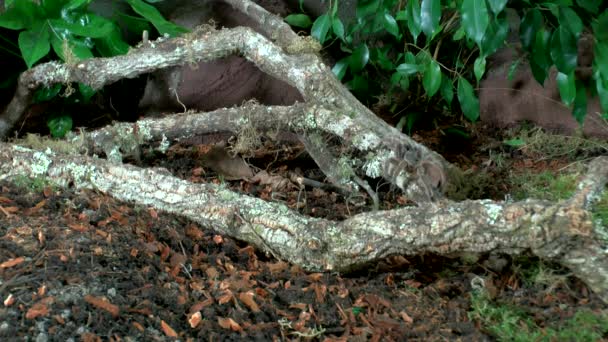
x=410, y=65
x=497, y=6
x=459, y=34
x=569, y=19
x=600, y=27
x=298, y=20
x=567, y=87
x=447, y=90
x=79, y=47
x=60, y=125
x=134, y=24
x=23, y=14
x=151, y=13
x=474, y=19
x=379, y=56
x=539, y=73
x=590, y=6
x=600, y=61
x=34, y=44
x=46, y=93
x=390, y=24
x=359, y=58
x=468, y=101
x=530, y=24
x=515, y=142
x=367, y=8
x=338, y=27
x=398, y=79
x=431, y=80
x=541, y=48
x=413, y=18
x=52, y=8
x=75, y=4
x=495, y=36
x=580, y=103
x=112, y=44
x=88, y=25
x=479, y=67
x=564, y=51
x=401, y=15
x=407, y=69
x=320, y=28
x=340, y=68
x=358, y=85
x=602, y=93
x=86, y=91
x=430, y=13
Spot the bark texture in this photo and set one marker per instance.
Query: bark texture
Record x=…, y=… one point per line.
x=563, y=232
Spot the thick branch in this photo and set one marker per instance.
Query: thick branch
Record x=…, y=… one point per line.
x=560, y=232
x=388, y=153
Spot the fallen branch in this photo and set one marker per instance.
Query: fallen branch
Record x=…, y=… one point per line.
x=561, y=232
x=370, y=146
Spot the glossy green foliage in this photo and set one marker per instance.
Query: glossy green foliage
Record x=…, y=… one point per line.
x=72, y=32
x=382, y=43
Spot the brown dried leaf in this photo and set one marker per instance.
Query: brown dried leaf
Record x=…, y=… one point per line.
x=247, y=299
x=78, y=227
x=201, y=305
x=195, y=319
x=12, y=262
x=405, y=317
x=39, y=309
x=167, y=329
x=277, y=267
x=226, y=297
x=194, y=232
x=103, y=305
x=229, y=323
x=276, y=182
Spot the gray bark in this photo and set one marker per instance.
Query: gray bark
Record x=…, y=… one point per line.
x=563, y=232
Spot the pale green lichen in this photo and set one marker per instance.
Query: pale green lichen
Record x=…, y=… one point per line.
x=345, y=168
x=81, y=174
x=40, y=163
x=494, y=211
x=164, y=144
x=373, y=164
x=337, y=127
x=366, y=141
x=310, y=120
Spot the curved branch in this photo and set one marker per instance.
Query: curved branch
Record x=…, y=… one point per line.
x=560, y=232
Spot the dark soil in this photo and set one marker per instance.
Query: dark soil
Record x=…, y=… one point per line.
x=78, y=265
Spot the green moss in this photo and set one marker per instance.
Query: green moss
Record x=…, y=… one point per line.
x=510, y=323
x=545, y=185
x=36, y=184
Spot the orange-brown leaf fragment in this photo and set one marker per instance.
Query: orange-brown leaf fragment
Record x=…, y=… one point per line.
x=247, y=299
x=103, y=304
x=39, y=309
x=229, y=323
x=78, y=227
x=167, y=329
x=12, y=262
x=195, y=319
x=405, y=317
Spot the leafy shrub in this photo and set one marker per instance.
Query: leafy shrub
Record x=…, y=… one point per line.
x=440, y=48
x=74, y=33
